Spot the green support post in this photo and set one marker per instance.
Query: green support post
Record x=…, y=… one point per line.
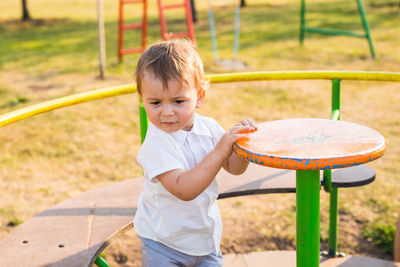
x=335, y=99
x=333, y=191
x=366, y=27
x=333, y=225
x=144, y=121
x=307, y=218
x=101, y=262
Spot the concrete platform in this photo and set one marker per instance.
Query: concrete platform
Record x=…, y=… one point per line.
x=288, y=259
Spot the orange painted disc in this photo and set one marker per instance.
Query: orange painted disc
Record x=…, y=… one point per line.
x=310, y=144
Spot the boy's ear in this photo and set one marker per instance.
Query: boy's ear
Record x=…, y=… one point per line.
x=200, y=98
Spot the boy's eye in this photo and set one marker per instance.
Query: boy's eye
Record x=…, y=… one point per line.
x=179, y=101
x=155, y=103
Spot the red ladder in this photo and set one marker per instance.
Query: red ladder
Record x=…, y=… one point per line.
x=123, y=27
x=189, y=21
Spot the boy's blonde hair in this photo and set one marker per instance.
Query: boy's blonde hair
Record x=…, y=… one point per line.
x=172, y=60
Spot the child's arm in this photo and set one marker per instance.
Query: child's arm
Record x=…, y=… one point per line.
x=234, y=164
x=188, y=184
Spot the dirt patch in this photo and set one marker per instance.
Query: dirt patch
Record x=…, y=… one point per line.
x=41, y=87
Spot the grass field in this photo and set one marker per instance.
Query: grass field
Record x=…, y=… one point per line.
x=51, y=157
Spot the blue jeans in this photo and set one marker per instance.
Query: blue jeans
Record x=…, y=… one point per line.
x=156, y=254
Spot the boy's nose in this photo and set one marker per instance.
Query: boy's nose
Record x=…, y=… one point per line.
x=167, y=110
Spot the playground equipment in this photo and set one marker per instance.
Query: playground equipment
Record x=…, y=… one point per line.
x=308, y=146
x=124, y=27
x=189, y=20
x=361, y=10
x=143, y=25
x=79, y=229
x=222, y=4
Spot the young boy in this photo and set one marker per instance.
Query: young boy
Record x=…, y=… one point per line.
x=178, y=218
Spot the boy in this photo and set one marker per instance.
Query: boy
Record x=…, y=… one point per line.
x=178, y=218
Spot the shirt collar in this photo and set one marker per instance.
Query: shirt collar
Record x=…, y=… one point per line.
x=199, y=128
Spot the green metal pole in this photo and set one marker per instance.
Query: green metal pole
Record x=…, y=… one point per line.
x=334, y=192
x=333, y=225
x=101, y=262
x=335, y=115
x=366, y=27
x=302, y=21
x=307, y=218
x=334, y=32
x=144, y=121
x=335, y=98
x=328, y=181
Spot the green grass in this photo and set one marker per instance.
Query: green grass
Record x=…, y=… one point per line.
x=382, y=235
x=51, y=157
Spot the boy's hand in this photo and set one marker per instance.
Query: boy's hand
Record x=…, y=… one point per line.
x=224, y=146
x=248, y=122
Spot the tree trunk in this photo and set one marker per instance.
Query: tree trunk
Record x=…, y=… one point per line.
x=25, y=11
x=242, y=3
x=102, y=42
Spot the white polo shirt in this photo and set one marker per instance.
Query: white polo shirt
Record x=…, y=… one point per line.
x=192, y=227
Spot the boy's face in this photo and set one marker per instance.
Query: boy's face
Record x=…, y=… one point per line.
x=169, y=109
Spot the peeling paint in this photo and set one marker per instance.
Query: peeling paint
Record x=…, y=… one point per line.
x=318, y=144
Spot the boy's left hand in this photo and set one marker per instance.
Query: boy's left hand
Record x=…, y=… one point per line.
x=234, y=164
x=224, y=146
x=250, y=123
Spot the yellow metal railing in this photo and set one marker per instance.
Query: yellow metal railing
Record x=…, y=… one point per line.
x=66, y=101
x=58, y=103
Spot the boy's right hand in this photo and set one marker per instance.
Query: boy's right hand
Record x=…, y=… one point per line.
x=224, y=146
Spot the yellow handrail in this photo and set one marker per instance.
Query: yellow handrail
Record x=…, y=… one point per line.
x=305, y=75
x=47, y=106
x=66, y=101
